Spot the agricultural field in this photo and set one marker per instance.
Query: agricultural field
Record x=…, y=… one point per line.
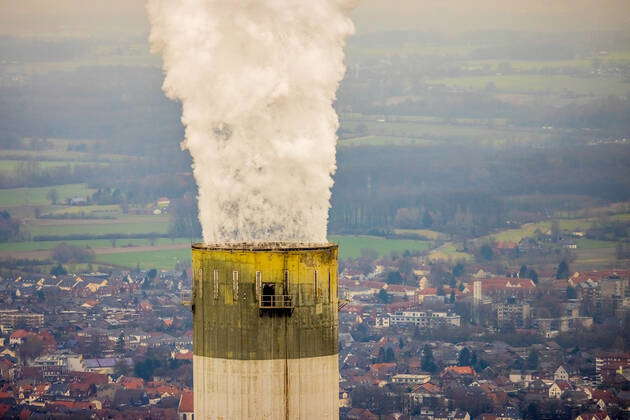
x=351, y=246
x=421, y=132
x=426, y=233
x=163, y=253
x=530, y=65
x=411, y=48
x=10, y=165
x=62, y=155
x=533, y=83
x=16, y=197
x=126, y=245
x=585, y=243
x=126, y=225
x=594, y=258
x=160, y=259
x=449, y=252
x=529, y=229
x=108, y=210
x=384, y=141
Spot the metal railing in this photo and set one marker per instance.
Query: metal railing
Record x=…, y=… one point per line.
x=276, y=302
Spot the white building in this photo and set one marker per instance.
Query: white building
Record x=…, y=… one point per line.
x=405, y=378
x=426, y=319
x=69, y=362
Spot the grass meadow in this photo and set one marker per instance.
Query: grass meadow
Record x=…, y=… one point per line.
x=534, y=83
x=351, y=246
x=16, y=197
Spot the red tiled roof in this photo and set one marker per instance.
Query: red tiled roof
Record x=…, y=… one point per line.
x=429, y=291
x=90, y=377
x=431, y=388
x=184, y=356
x=597, y=275
x=460, y=370
x=82, y=405
x=78, y=386
x=186, y=403
x=604, y=395
x=507, y=283
x=563, y=385
x=132, y=383
x=20, y=334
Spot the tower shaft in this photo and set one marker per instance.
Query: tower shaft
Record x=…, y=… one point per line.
x=265, y=331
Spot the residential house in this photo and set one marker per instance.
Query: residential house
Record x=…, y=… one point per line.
x=508, y=413
x=500, y=286
x=427, y=391
x=361, y=414
x=344, y=398
x=558, y=388
x=186, y=408
x=18, y=337
x=522, y=376
x=560, y=374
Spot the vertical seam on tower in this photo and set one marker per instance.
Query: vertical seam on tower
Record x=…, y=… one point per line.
x=286, y=369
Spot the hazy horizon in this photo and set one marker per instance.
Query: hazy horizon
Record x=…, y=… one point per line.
x=127, y=18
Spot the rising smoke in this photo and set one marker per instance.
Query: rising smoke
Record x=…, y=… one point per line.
x=256, y=79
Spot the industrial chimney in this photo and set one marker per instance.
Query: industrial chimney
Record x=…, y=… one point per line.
x=265, y=331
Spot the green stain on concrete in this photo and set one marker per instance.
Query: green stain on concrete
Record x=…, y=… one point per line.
x=228, y=320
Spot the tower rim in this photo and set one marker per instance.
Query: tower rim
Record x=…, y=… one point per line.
x=263, y=246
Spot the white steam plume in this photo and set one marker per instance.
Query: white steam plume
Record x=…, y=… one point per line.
x=256, y=79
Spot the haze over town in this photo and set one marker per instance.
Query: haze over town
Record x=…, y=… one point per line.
x=480, y=199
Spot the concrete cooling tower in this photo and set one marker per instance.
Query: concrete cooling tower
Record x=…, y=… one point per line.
x=265, y=331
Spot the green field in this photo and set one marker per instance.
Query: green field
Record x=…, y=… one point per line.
x=162, y=260
x=531, y=83
x=412, y=48
x=9, y=165
x=63, y=156
x=618, y=55
x=529, y=64
x=529, y=229
x=596, y=258
x=142, y=225
x=350, y=246
x=383, y=131
x=449, y=252
x=431, y=234
x=384, y=141
x=14, y=197
x=92, y=243
x=585, y=243
x=108, y=210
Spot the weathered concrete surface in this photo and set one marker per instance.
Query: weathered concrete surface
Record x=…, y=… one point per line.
x=304, y=389
x=253, y=363
x=227, y=319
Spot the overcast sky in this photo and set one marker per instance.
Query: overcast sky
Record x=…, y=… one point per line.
x=124, y=17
